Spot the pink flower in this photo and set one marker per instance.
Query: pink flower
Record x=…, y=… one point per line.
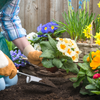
x=96, y=71
x=95, y=76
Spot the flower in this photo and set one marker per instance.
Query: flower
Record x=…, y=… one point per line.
x=37, y=46
x=48, y=28
x=87, y=31
x=69, y=48
x=95, y=76
x=31, y=35
x=45, y=28
x=98, y=4
x=16, y=56
x=39, y=27
x=97, y=36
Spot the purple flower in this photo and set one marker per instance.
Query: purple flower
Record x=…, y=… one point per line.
x=45, y=28
x=53, y=26
x=39, y=27
x=16, y=58
x=42, y=35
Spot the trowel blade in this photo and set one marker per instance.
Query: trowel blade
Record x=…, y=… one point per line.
x=37, y=80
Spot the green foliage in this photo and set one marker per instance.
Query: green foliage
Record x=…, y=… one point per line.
x=10, y=45
x=75, y=22
x=84, y=77
x=97, y=24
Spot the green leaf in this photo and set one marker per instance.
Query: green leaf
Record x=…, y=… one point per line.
x=90, y=72
x=96, y=92
x=77, y=83
x=81, y=73
x=39, y=33
x=85, y=58
x=90, y=86
x=73, y=79
x=91, y=80
x=84, y=66
x=44, y=45
x=52, y=42
x=47, y=54
x=83, y=91
x=35, y=40
x=47, y=63
x=57, y=63
x=72, y=67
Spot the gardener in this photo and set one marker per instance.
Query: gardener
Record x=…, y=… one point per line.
x=13, y=31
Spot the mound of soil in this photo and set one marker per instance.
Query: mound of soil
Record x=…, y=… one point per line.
x=31, y=91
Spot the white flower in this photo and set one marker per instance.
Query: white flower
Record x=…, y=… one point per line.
x=62, y=46
x=75, y=58
x=59, y=39
x=31, y=35
x=37, y=46
x=69, y=52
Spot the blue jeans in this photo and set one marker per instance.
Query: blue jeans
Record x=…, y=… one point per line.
x=7, y=82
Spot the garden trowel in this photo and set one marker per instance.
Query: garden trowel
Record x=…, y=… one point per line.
x=37, y=80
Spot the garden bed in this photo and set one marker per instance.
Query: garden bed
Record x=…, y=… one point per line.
x=64, y=91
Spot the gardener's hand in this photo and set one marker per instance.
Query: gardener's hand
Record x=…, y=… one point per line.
x=33, y=55
x=7, y=67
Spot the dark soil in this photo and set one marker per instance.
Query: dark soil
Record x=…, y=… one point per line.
x=31, y=91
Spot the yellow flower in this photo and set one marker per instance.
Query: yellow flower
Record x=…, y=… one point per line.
x=98, y=4
x=98, y=41
x=89, y=27
x=87, y=31
x=97, y=35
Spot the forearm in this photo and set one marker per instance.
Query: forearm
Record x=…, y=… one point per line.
x=21, y=43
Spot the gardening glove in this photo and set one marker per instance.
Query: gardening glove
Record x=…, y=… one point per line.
x=7, y=67
x=33, y=55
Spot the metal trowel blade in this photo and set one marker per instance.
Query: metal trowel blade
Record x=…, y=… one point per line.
x=37, y=80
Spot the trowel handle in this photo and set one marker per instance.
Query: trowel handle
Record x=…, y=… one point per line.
x=22, y=73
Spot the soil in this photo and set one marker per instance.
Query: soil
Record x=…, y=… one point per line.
x=32, y=91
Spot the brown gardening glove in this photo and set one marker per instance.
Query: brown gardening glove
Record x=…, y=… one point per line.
x=7, y=67
x=33, y=55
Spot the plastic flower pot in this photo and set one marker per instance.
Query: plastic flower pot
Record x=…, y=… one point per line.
x=52, y=69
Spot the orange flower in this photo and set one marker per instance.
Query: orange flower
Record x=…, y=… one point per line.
x=95, y=62
x=88, y=59
x=93, y=54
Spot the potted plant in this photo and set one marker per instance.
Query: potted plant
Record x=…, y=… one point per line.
x=60, y=53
